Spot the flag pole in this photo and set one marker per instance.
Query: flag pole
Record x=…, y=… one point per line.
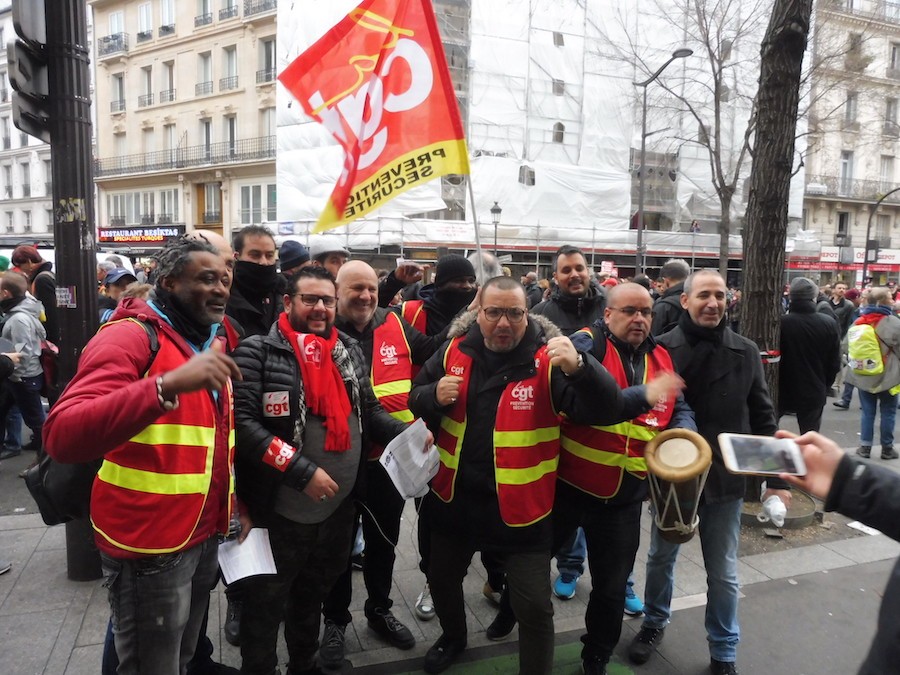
x=479, y=265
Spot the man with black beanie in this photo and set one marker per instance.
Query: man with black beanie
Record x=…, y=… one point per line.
x=256, y=295
x=438, y=303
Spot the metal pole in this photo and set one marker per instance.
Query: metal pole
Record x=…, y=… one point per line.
x=869, y=231
x=639, y=252
x=495, y=239
x=73, y=219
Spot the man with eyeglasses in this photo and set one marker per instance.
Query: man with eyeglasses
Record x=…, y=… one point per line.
x=493, y=396
x=304, y=414
x=602, y=471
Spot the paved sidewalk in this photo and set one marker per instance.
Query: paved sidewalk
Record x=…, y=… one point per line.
x=812, y=606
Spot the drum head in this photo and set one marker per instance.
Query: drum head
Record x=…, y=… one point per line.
x=678, y=455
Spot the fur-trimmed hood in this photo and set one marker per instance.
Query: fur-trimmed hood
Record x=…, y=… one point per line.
x=462, y=323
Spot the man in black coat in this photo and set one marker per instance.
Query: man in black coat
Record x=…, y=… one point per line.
x=667, y=308
x=843, y=309
x=870, y=494
x=725, y=386
x=257, y=288
x=577, y=300
x=810, y=356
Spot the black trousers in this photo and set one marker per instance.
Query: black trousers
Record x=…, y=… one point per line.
x=381, y=529
x=808, y=419
x=528, y=581
x=309, y=559
x=612, y=533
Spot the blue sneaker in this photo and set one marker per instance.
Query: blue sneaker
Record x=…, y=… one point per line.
x=564, y=586
x=633, y=604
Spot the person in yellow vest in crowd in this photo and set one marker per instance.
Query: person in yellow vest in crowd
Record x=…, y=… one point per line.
x=602, y=468
x=165, y=489
x=391, y=348
x=493, y=396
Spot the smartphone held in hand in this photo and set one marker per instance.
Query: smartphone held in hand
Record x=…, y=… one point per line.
x=761, y=455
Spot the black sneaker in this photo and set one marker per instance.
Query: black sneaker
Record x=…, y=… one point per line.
x=841, y=405
x=644, y=644
x=442, y=654
x=501, y=626
x=887, y=452
x=232, y=627
x=594, y=666
x=389, y=627
x=8, y=453
x=864, y=451
x=331, y=651
x=722, y=667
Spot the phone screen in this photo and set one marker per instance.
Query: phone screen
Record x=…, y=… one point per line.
x=764, y=455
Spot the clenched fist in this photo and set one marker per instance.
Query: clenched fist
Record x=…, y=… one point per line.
x=448, y=390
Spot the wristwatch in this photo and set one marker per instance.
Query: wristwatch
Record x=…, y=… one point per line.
x=164, y=403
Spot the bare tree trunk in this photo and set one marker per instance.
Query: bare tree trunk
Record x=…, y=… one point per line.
x=767, y=207
x=724, y=234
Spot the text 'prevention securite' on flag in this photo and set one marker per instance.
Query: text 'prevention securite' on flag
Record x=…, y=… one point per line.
x=379, y=82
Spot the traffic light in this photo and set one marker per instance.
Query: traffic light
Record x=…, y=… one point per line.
x=28, y=73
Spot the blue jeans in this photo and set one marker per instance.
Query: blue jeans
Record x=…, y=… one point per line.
x=720, y=526
x=869, y=402
x=847, y=395
x=13, y=429
x=570, y=557
x=158, y=604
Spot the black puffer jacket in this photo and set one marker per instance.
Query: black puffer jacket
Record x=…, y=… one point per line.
x=667, y=310
x=267, y=365
x=571, y=312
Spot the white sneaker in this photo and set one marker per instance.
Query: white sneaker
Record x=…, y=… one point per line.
x=424, y=605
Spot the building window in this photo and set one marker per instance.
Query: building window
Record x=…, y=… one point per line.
x=230, y=129
x=559, y=132
x=48, y=214
x=204, y=73
x=887, y=172
x=558, y=39
x=846, y=171
x=166, y=17
x=145, y=22
x=267, y=122
x=26, y=179
x=559, y=88
x=168, y=207
x=229, y=67
x=895, y=56
x=258, y=204
x=890, y=110
x=526, y=175
x=883, y=230
x=206, y=137
x=850, y=106
x=843, y=226
x=27, y=215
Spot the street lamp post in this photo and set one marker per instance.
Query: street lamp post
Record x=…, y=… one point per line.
x=639, y=250
x=495, y=218
x=865, y=268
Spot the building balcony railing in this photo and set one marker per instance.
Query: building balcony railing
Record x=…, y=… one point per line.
x=168, y=29
x=212, y=217
x=847, y=188
x=253, y=7
x=876, y=9
x=164, y=219
x=265, y=75
x=145, y=100
x=167, y=96
x=203, y=88
x=145, y=35
x=117, y=106
x=225, y=152
x=228, y=83
x=112, y=44
x=203, y=20
x=228, y=12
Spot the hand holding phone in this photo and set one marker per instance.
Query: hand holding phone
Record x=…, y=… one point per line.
x=761, y=455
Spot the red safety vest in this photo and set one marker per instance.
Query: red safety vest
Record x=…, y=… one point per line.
x=526, y=441
x=416, y=316
x=391, y=372
x=595, y=458
x=150, y=492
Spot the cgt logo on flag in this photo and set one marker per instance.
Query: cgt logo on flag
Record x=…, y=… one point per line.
x=379, y=83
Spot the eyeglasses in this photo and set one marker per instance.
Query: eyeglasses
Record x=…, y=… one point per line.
x=514, y=314
x=645, y=312
x=311, y=300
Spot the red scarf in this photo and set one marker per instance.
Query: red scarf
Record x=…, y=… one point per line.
x=326, y=395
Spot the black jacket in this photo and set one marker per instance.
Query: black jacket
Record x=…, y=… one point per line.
x=268, y=364
x=44, y=289
x=589, y=397
x=256, y=316
x=810, y=357
x=871, y=494
x=421, y=347
x=843, y=312
x=667, y=310
x=534, y=294
x=736, y=400
x=571, y=312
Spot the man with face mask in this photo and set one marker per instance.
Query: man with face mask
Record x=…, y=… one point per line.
x=305, y=416
x=438, y=303
x=257, y=288
x=157, y=505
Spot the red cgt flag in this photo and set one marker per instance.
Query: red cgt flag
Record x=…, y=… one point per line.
x=379, y=82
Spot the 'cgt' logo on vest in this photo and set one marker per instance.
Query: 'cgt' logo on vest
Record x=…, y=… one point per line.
x=522, y=397
x=457, y=370
x=388, y=354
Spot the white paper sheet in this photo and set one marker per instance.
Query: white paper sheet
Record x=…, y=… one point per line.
x=410, y=469
x=249, y=559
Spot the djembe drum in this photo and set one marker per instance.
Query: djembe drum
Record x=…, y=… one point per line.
x=678, y=462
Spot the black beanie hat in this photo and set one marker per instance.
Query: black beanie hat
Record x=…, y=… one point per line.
x=452, y=266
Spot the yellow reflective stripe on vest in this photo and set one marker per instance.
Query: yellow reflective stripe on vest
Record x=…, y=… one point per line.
x=631, y=464
x=178, y=434
x=403, y=415
x=153, y=482
x=636, y=431
x=521, y=439
x=391, y=388
x=231, y=438
x=528, y=475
